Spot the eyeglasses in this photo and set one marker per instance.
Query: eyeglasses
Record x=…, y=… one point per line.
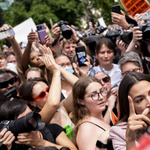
x=42, y=94
x=95, y=96
x=5, y=84
x=134, y=70
x=106, y=79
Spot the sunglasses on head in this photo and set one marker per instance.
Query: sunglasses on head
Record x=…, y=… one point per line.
x=42, y=94
x=106, y=79
x=5, y=84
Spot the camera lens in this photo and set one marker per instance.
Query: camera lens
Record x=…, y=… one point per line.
x=146, y=37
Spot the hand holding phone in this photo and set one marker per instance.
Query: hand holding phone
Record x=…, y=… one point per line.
x=41, y=32
x=81, y=55
x=116, y=9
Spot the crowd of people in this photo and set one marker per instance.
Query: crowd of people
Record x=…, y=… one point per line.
x=103, y=104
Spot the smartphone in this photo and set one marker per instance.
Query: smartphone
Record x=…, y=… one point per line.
x=11, y=93
x=5, y=33
x=116, y=9
x=144, y=16
x=92, y=20
x=41, y=32
x=81, y=55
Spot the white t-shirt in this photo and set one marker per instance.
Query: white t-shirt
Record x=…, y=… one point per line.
x=114, y=73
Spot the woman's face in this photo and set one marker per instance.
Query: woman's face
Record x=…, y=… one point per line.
x=37, y=89
x=101, y=76
x=105, y=56
x=63, y=61
x=140, y=94
x=33, y=74
x=94, y=106
x=35, y=59
x=28, y=110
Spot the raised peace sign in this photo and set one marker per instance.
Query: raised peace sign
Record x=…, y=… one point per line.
x=135, y=123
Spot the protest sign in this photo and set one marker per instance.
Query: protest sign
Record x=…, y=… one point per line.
x=136, y=6
x=23, y=29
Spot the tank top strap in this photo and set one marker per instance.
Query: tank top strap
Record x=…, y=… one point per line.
x=94, y=124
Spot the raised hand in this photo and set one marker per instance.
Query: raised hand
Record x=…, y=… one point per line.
x=48, y=59
x=137, y=34
x=33, y=36
x=56, y=31
x=74, y=36
x=121, y=45
x=119, y=19
x=135, y=123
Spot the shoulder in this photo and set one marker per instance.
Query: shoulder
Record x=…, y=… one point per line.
x=116, y=66
x=118, y=130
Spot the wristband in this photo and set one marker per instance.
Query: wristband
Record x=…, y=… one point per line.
x=77, y=41
x=56, y=75
x=99, y=144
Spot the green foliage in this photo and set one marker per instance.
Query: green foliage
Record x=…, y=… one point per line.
x=42, y=10
x=70, y=10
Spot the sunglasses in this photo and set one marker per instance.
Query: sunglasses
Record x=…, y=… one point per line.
x=106, y=79
x=5, y=84
x=42, y=94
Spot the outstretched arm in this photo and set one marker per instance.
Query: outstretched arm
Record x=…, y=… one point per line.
x=26, y=55
x=53, y=99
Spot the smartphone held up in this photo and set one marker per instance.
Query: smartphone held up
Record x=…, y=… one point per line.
x=41, y=32
x=81, y=55
x=116, y=9
x=6, y=33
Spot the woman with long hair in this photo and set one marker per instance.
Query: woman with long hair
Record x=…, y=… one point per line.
x=134, y=93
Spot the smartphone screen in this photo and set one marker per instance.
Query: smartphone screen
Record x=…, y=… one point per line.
x=116, y=9
x=81, y=55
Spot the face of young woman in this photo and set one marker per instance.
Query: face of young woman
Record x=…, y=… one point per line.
x=94, y=106
x=35, y=59
x=105, y=56
x=33, y=74
x=100, y=76
x=140, y=94
x=37, y=89
x=63, y=61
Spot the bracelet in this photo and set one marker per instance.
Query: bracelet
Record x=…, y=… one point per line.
x=77, y=41
x=56, y=75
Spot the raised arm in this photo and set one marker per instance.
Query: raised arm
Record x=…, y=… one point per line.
x=53, y=99
x=26, y=55
x=77, y=40
x=56, y=33
x=120, y=19
x=137, y=35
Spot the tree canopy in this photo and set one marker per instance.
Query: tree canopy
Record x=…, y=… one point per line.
x=69, y=10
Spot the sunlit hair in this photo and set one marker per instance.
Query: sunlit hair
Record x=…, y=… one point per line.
x=34, y=69
x=67, y=41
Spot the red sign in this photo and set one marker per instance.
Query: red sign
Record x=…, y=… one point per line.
x=135, y=6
